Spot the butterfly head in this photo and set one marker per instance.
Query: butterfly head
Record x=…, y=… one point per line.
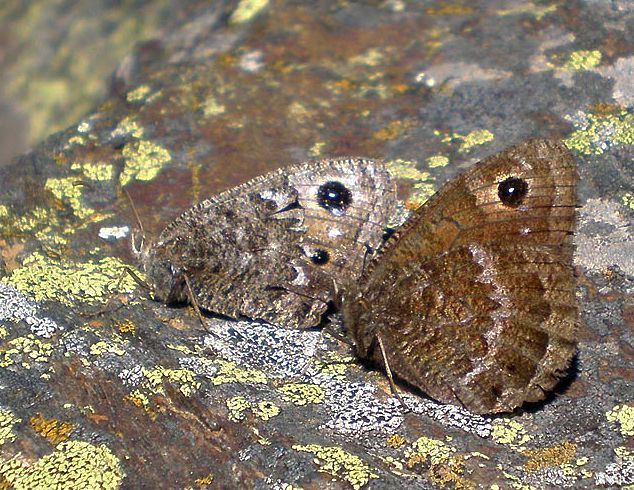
x=166, y=280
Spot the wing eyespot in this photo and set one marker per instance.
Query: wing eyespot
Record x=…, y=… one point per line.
x=512, y=191
x=334, y=197
x=320, y=257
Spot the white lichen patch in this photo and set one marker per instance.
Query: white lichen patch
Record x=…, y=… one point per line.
x=16, y=307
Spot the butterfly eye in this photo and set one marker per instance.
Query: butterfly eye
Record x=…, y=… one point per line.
x=320, y=257
x=512, y=191
x=334, y=197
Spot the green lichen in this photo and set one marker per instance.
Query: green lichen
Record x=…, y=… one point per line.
x=474, y=138
x=247, y=10
x=624, y=416
x=101, y=171
x=406, y=169
x=425, y=448
x=436, y=161
x=66, y=190
x=138, y=94
x=597, y=131
x=26, y=350
x=302, y=393
x=74, y=464
x=582, y=60
x=237, y=405
x=44, y=278
x=102, y=347
x=143, y=161
x=8, y=420
x=183, y=378
x=229, y=372
x=129, y=126
x=266, y=410
x=339, y=463
x=509, y=433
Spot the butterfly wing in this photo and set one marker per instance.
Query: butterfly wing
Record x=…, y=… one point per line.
x=276, y=247
x=474, y=298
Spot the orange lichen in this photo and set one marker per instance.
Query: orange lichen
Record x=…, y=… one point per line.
x=52, y=429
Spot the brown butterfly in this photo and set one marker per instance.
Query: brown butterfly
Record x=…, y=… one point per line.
x=276, y=247
x=473, y=299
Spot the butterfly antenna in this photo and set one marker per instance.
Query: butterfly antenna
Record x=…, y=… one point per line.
x=136, y=250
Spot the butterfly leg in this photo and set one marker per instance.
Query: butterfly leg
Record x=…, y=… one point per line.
x=192, y=300
x=388, y=371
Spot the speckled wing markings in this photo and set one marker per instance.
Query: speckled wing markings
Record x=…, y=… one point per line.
x=277, y=247
x=474, y=297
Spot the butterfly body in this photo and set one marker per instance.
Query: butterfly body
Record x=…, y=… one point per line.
x=473, y=298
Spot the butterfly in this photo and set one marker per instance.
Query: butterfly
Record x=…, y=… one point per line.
x=277, y=247
x=472, y=300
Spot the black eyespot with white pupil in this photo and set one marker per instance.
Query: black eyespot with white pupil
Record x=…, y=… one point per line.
x=334, y=197
x=320, y=257
x=512, y=191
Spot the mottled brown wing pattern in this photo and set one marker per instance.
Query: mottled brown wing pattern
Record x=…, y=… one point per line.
x=275, y=247
x=481, y=309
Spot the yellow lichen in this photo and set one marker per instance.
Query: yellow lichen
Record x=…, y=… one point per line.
x=436, y=161
x=74, y=464
x=129, y=126
x=4, y=211
x=27, y=349
x=266, y=410
x=474, y=138
x=139, y=399
x=101, y=171
x=392, y=131
x=102, y=347
x=583, y=60
x=339, y=463
x=66, y=190
x=624, y=416
x=52, y=429
x=529, y=8
x=317, y=149
x=548, y=457
x=4, y=333
x=247, y=10
x=143, y=161
x=230, y=373
x=406, y=169
x=184, y=378
x=510, y=433
x=597, y=131
x=237, y=406
x=444, y=466
x=44, y=278
x=302, y=393
x=450, y=9
x=138, y=94
x=7, y=421
x=205, y=480
x=628, y=200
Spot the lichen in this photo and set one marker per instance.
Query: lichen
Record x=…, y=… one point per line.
x=27, y=349
x=474, y=138
x=229, y=372
x=628, y=200
x=247, y=10
x=44, y=278
x=8, y=420
x=624, y=416
x=510, y=433
x=542, y=458
x=436, y=161
x=138, y=94
x=597, y=131
x=237, y=405
x=101, y=171
x=73, y=464
x=340, y=463
x=583, y=60
x=301, y=394
x=66, y=190
x=184, y=378
x=52, y=429
x=143, y=161
x=266, y=410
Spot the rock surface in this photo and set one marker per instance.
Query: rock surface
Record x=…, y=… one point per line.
x=143, y=397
